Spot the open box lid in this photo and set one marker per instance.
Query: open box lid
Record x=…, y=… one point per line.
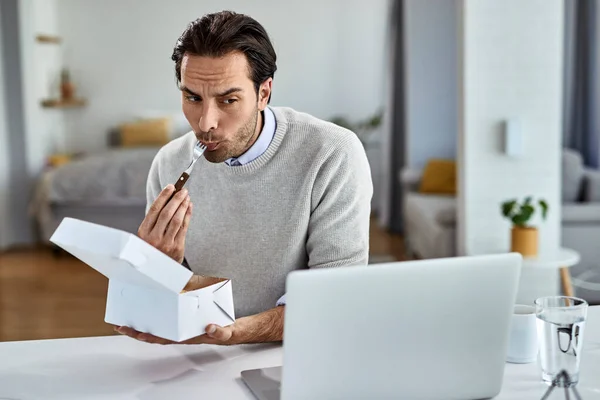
x=120, y=255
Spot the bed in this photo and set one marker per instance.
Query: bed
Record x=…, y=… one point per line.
x=107, y=188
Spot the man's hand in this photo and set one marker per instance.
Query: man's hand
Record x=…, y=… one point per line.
x=167, y=221
x=260, y=328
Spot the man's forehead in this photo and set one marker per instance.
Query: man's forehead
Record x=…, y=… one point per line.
x=226, y=69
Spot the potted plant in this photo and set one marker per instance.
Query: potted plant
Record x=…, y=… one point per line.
x=364, y=128
x=524, y=237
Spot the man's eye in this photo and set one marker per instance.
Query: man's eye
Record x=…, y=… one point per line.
x=229, y=101
x=192, y=99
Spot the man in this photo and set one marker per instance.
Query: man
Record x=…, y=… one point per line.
x=276, y=191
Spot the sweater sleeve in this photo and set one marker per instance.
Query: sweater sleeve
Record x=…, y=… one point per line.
x=338, y=230
x=153, y=185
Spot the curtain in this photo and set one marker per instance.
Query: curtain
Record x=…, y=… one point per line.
x=581, y=130
x=392, y=141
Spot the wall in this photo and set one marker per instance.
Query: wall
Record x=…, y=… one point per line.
x=30, y=73
x=430, y=43
x=329, y=63
x=511, y=67
x=41, y=65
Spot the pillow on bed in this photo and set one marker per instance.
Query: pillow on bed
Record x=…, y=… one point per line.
x=150, y=132
x=179, y=124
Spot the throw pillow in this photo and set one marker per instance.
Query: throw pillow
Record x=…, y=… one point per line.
x=572, y=175
x=152, y=132
x=439, y=177
x=56, y=160
x=592, y=186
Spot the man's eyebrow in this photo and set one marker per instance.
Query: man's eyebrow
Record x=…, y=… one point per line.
x=222, y=94
x=188, y=91
x=229, y=91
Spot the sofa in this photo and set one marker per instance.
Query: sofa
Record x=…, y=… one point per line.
x=430, y=221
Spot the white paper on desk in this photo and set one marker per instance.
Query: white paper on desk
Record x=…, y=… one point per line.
x=145, y=284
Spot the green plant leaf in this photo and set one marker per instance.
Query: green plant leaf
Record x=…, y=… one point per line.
x=524, y=215
x=375, y=121
x=527, y=200
x=527, y=212
x=343, y=122
x=544, y=207
x=518, y=220
x=508, y=207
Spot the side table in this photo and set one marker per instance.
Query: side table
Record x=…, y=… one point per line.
x=561, y=259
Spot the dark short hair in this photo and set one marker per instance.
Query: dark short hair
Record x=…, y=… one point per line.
x=217, y=34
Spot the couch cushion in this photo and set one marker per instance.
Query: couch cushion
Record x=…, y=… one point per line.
x=425, y=232
x=591, y=186
x=580, y=212
x=572, y=175
x=435, y=208
x=439, y=177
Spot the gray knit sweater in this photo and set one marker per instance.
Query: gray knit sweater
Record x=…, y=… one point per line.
x=304, y=203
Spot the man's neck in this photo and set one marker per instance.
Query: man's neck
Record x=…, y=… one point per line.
x=260, y=121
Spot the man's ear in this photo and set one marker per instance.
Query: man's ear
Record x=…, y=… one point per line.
x=264, y=93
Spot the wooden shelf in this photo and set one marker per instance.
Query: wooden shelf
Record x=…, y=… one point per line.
x=59, y=103
x=48, y=39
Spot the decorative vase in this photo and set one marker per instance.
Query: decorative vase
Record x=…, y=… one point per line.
x=524, y=240
x=67, y=88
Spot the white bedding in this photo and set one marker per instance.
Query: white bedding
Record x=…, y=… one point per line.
x=116, y=177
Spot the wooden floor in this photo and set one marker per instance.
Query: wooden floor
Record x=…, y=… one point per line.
x=47, y=297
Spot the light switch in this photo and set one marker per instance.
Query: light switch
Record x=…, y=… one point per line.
x=513, y=138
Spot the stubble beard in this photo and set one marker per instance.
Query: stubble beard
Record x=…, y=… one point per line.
x=237, y=146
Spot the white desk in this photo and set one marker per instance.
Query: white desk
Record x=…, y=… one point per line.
x=120, y=368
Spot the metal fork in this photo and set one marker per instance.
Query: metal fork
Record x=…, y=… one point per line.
x=198, y=151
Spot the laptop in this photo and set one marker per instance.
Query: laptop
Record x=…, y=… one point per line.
x=427, y=329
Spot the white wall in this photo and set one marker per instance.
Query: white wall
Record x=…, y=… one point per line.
x=41, y=65
x=430, y=40
x=511, y=68
x=32, y=132
x=330, y=61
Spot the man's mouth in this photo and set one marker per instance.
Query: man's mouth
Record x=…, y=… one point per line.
x=210, y=146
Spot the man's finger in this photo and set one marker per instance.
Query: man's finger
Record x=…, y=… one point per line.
x=178, y=219
x=148, y=338
x=180, y=236
x=219, y=333
x=143, y=337
x=125, y=330
x=202, y=339
x=168, y=211
x=156, y=207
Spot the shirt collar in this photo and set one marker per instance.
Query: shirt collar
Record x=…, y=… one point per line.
x=262, y=142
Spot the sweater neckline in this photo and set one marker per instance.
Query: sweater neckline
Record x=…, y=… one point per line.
x=280, y=132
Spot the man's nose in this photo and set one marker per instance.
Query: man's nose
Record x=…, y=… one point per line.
x=208, y=118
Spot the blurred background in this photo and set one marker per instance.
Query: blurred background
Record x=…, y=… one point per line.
x=461, y=105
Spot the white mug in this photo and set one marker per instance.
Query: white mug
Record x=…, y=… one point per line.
x=523, y=339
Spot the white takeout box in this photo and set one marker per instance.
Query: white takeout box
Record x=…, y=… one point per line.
x=144, y=290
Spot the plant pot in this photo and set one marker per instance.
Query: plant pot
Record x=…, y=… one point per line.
x=524, y=240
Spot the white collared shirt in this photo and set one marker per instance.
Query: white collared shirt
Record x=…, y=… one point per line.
x=262, y=143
